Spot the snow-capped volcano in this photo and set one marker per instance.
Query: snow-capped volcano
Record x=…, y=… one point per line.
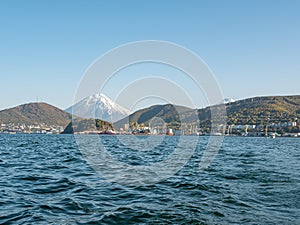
x=228, y=100
x=98, y=106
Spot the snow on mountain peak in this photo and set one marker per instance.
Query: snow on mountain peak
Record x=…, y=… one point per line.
x=99, y=106
x=228, y=100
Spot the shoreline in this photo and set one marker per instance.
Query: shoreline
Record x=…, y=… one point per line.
x=143, y=135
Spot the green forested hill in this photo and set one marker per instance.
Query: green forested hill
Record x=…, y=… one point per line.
x=168, y=113
x=86, y=125
x=255, y=111
x=35, y=113
x=259, y=111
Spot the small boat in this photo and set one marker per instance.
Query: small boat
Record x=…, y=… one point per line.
x=107, y=132
x=169, y=132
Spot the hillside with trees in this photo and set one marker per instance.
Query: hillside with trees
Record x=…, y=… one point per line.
x=252, y=111
x=80, y=125
x=170, y=114
x=35, y=113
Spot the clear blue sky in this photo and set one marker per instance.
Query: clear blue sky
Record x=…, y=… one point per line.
x=253, y=47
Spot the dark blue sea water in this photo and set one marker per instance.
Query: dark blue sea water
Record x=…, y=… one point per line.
x=44, y=179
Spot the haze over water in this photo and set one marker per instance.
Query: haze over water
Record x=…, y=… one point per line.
x=44, y=179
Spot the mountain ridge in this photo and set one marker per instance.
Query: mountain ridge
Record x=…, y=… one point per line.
x=254, y=110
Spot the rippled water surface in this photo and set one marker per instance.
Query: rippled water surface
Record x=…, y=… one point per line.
x=44, y=179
